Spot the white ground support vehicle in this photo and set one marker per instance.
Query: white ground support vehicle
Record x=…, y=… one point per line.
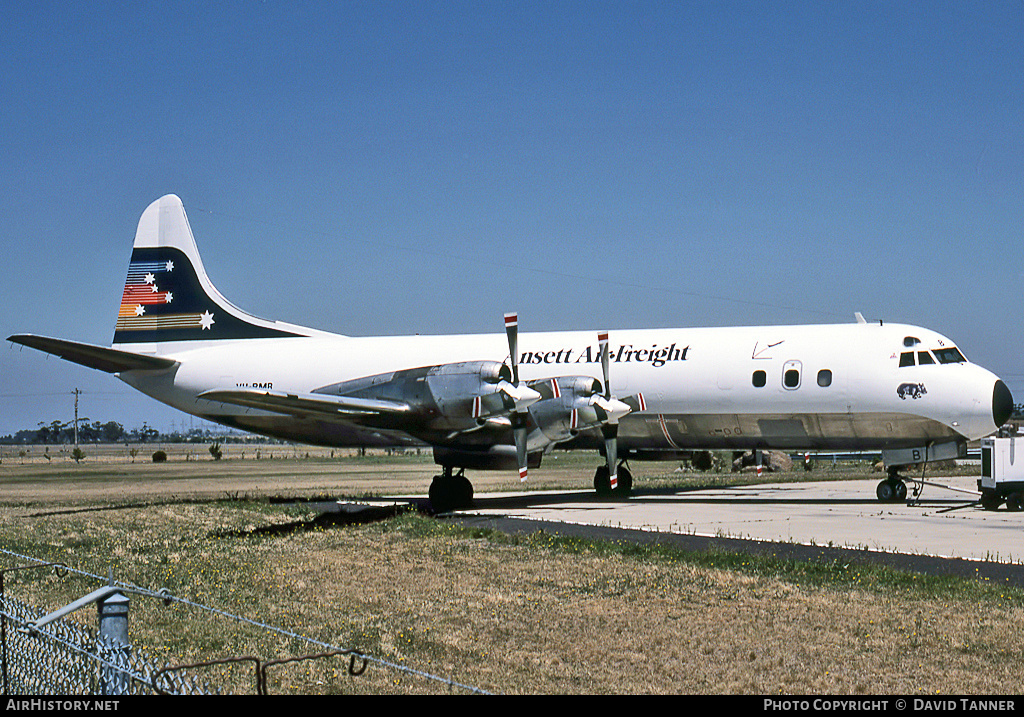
x=1002, y=472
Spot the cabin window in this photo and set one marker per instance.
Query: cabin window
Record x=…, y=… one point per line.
x=824, y=378
x=907, y=359
x=923, y=357
x=950, y=355
x=759, y=379
x=791, y=375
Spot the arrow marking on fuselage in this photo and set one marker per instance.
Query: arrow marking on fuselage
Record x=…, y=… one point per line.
x=759, y=354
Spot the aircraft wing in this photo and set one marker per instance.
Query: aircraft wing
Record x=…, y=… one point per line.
x=97, y=357
x=308, y=403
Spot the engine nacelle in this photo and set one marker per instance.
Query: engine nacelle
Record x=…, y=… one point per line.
x=565, y=408
x=469, y=390
x=447, y=390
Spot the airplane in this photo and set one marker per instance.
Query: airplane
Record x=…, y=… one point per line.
x=482, y=403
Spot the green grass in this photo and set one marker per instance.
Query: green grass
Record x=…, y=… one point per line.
x=524, y=613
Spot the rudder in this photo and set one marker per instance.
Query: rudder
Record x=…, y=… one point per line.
x=167, y=294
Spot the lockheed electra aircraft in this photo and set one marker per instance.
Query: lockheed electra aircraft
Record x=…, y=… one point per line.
x=504, y=400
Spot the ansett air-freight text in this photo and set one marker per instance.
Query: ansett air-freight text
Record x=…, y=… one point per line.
x=655, y=355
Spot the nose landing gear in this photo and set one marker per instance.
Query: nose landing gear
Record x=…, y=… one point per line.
x=893, y=489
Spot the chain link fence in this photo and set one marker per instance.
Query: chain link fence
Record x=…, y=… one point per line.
x=43, y=654
x=65, y=659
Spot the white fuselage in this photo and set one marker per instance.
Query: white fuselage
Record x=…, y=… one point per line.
x=790, y=387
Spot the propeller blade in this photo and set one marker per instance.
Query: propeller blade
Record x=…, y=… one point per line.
x=636, y=402
x=610, y=432
x=602, y=340
x=519, y=432
x=512, y=331
x=522, y=395
x=609, y=424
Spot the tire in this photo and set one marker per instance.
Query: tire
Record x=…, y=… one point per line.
x=625, y=479
x=448, y=493
x=885, y=491
x=602, y=483
x=463, y=492
x=900, y=490
x=440, y=497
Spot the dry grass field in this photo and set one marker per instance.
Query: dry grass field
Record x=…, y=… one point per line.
x=504, y=614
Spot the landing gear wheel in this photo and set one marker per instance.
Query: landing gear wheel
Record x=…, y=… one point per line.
x=450, y=492
x=602, y=483
x=900, y=490
x=884, y=492
x=625, y=479
x=891, y=490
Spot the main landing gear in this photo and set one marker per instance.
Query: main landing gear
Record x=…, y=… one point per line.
x=893, y=489
x=603, y=486
x=450, y=491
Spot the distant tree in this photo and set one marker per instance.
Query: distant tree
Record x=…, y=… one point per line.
x=112, y=432
x=144, y=434
x=55, y=433
x=89, y=432
x=27, y=435
x=96, y=432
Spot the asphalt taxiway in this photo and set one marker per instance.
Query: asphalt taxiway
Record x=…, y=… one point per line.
x=944, y=531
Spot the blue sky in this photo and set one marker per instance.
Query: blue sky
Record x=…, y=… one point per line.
x=402, y=167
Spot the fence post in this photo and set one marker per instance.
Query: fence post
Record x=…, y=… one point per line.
x=113, y=643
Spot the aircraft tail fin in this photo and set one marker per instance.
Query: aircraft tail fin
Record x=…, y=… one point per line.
x=168, y=296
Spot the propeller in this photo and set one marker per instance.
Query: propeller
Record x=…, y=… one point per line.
x=518, y=397
x=610, y=423
x=521, y=395
x=610, y=410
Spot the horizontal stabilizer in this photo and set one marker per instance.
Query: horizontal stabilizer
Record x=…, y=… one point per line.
x=307, y=403
x=97, y=357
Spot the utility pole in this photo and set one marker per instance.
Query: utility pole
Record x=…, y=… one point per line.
x=77, y=392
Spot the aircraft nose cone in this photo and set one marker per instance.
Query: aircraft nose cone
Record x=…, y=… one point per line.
x=1002, y=403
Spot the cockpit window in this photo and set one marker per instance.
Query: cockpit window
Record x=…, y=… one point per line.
x=907, y=359
x=950, y=355
x=923, y=357
x=909, y=341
